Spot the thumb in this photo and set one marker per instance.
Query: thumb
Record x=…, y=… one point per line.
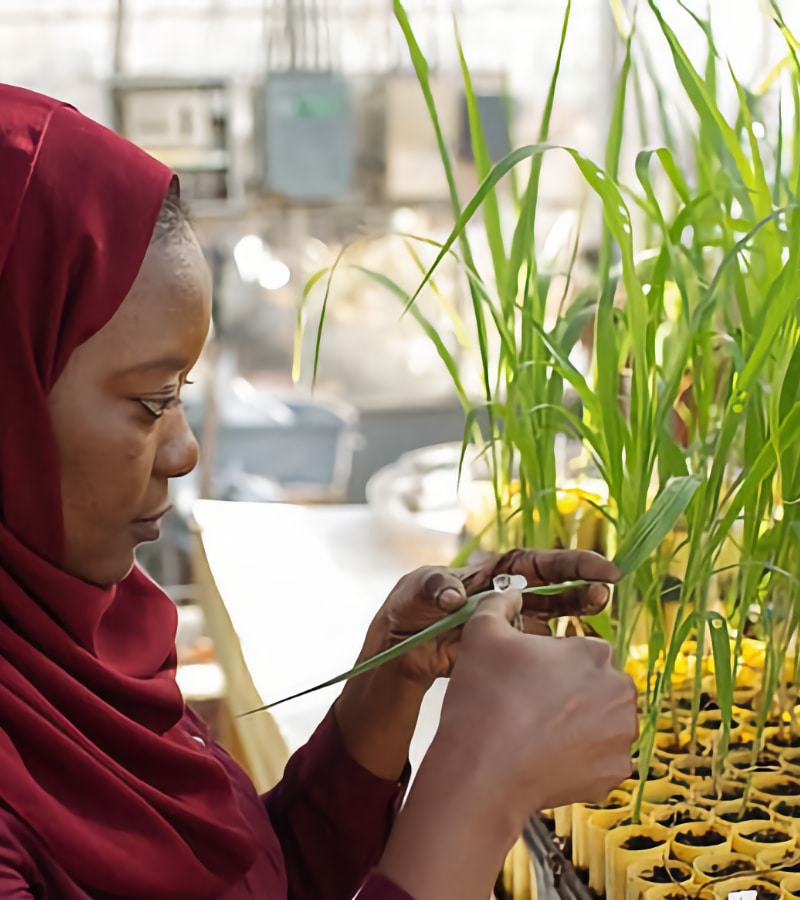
x=445, y=591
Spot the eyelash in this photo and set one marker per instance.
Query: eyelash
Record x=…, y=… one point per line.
x=157, y=408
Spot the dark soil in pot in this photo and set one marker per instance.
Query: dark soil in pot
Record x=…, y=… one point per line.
x=708, y=838
x=641, y=842
x=733, y=868
x=765, y=762
x=782, y=789
x=698, y=771
x=652, y=775
x=764, y=893
x=707, y=703
x=788, y=740
x=679, y=817
x=662, y=875
x=752, y=813
x=786, y=809
x=767, y=836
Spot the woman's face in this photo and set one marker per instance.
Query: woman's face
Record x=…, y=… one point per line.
x=119, y=427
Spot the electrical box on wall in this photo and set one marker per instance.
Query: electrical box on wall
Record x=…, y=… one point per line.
x=185, y=124
x=310, y=136
x=493, y=110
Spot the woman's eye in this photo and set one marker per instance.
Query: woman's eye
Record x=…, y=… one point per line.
x=157, y=408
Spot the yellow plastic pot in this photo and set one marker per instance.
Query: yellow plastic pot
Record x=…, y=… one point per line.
x=709, y=727
x=768, y=842
x=630, y=844
x=660, y=793
x=674, y=892
x=562, y=818
x=790, y=886
x=690, y=770
x=666, y=747
x=788, y=864
x=710, y=866
x=711, y=791
x=601, y=822
x=658, y=772
x=739, y=764
x=697, y=838
x=764, y=889
x=780, y=738
x=729, y=816
x=786, y=811
x=790, y=762
x=753, y=653
x=673, y=815
x=581, y=814
x=767, y=787
x=642, y=876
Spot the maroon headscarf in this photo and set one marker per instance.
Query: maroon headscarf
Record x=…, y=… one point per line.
x=90, y=755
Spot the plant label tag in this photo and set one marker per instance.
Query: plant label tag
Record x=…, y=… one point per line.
x=743, y=895
x=505, y=582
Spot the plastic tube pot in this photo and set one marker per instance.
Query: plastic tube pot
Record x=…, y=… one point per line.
x=581, y=813
x=644, y=875
x=764, y=889
x=630, y=844
x=732, y=816
x=600, y=823
x=697, y=838
x=710, y=866
x=690, y=770
x=766, y=787
x=786, y=811
x=790, y=886
x=675, y=814
x=769, y=842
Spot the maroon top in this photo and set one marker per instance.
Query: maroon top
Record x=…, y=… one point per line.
x=104, y=790
x=318, y=832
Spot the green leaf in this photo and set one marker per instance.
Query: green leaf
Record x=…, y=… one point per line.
x=723, y=671
x=448, y=623
x=647, y=535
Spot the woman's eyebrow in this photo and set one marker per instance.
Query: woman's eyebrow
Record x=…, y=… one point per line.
x=164, y=364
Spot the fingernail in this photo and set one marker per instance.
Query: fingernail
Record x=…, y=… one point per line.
x=450, y=598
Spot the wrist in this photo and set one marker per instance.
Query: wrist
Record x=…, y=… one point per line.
x=452, y=835
x=376, y=714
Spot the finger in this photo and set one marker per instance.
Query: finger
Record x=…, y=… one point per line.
x=443, y=590
x=501, y=607
x=532, y=623
x=543, y=567
x=554, y=566
x=584, y=601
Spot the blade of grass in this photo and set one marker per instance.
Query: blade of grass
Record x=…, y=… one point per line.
x=454, y=620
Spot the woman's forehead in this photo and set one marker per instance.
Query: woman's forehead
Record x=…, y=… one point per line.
x=163, y=322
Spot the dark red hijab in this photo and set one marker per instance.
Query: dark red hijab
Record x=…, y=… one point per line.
x=90, y=755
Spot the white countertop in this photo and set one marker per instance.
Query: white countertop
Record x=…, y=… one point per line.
x=301, y=584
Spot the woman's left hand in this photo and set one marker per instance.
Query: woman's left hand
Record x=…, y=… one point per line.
x=428, y=594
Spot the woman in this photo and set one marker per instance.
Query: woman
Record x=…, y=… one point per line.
x=109, y=787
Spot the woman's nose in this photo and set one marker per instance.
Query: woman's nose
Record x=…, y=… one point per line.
x=178, y=451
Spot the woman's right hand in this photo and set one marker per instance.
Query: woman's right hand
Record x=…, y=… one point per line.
x=552, y=718
x=528, y=723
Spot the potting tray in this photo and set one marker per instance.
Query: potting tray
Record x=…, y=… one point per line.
x=556, y=878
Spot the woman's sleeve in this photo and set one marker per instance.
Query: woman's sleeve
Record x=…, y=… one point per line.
x=13, y=863
x=332, y=818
